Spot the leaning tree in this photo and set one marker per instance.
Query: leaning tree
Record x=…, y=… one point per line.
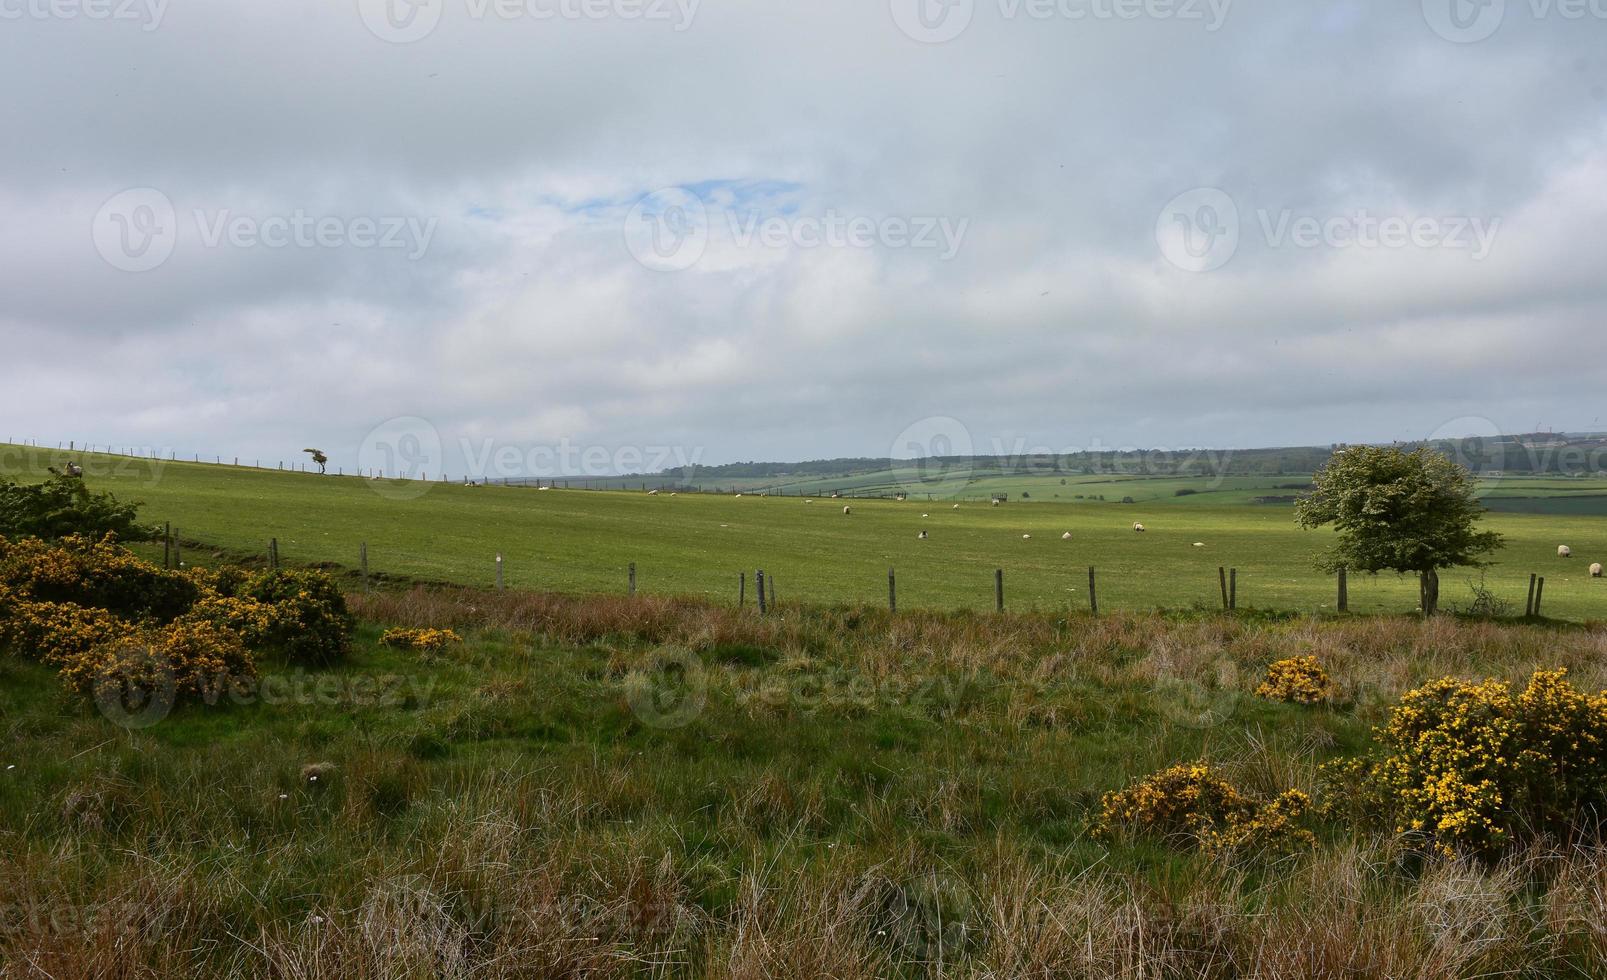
x=1398, y=511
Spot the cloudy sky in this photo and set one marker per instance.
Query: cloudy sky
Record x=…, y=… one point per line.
x=778, y=229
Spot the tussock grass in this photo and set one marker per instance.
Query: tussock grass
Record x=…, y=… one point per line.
x=858, y=795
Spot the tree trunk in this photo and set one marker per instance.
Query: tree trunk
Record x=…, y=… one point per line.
x=1428, y=589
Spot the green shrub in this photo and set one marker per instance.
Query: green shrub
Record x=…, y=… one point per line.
x=63, y=506
x=312, y=625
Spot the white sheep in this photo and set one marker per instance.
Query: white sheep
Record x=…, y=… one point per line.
x=956, y=506
x=921, y=536
x=1139, y=528
x=995, y=503
x=1563, y=551
x=848, y=510
x=1199, y=544
x=1026, y=537
x=1595, y=570
x=652, y=493
x=1066, y=536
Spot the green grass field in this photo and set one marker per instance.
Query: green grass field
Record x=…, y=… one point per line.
x=583, y=541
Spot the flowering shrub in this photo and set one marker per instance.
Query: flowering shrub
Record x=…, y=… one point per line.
x=99, y=573
x=312, y=625
x=1297, y=680
x=182, y=660
x=256, y=623
x=1474, y=767
x=426, y=640
x=1193, y=805
x=53, y=632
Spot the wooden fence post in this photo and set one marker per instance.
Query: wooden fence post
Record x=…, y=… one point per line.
x=500, y=580
x=1222, y=581
x=1344, y=590
x=742, y=589
x=758, y=584
x=998, y=589
x=362, y=559
x=632, y=574
x=1233, y=588
x=1539, y=593
x=178, y=550
x=1093, y=593
x=273, y=554
x=1528, y=604
x=892, y=593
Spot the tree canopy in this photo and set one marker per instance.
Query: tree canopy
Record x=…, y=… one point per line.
x=1398, y=511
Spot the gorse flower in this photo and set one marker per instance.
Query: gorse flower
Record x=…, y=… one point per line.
x=425, y=640
x=1474, y=767
x=1297, y=680
x=1193, y=805
x=102, y=616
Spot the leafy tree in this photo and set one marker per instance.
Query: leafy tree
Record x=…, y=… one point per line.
x=63, y=505
x=1398, y=511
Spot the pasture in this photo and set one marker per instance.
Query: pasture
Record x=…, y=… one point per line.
x=696, y=544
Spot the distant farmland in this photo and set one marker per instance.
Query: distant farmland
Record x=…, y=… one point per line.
x=583, y=542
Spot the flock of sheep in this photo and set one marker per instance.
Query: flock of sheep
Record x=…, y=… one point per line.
x=1563, y=551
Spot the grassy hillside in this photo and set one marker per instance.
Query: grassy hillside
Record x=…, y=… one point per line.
x=652, y=787
x=578, y=541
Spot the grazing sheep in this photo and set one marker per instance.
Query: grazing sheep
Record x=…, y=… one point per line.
x=652, y=493
x=1026, y=537
x=848, y=510
x=1139, y=528
x=1066, y=536
x=995, y=503
x=1563, y=551
x=921, y=536
x=956, y=506
x=1595, y=570
x=924, y=516
x=1199, y=544
x=73, y=469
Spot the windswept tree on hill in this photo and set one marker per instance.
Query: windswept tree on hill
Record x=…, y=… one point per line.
x=1398, y=511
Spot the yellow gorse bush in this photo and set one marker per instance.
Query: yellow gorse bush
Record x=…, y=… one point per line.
x=426, y=640
x=103, y=616
x=1475, y=767
x=1192, y=804
x=1297, y=680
